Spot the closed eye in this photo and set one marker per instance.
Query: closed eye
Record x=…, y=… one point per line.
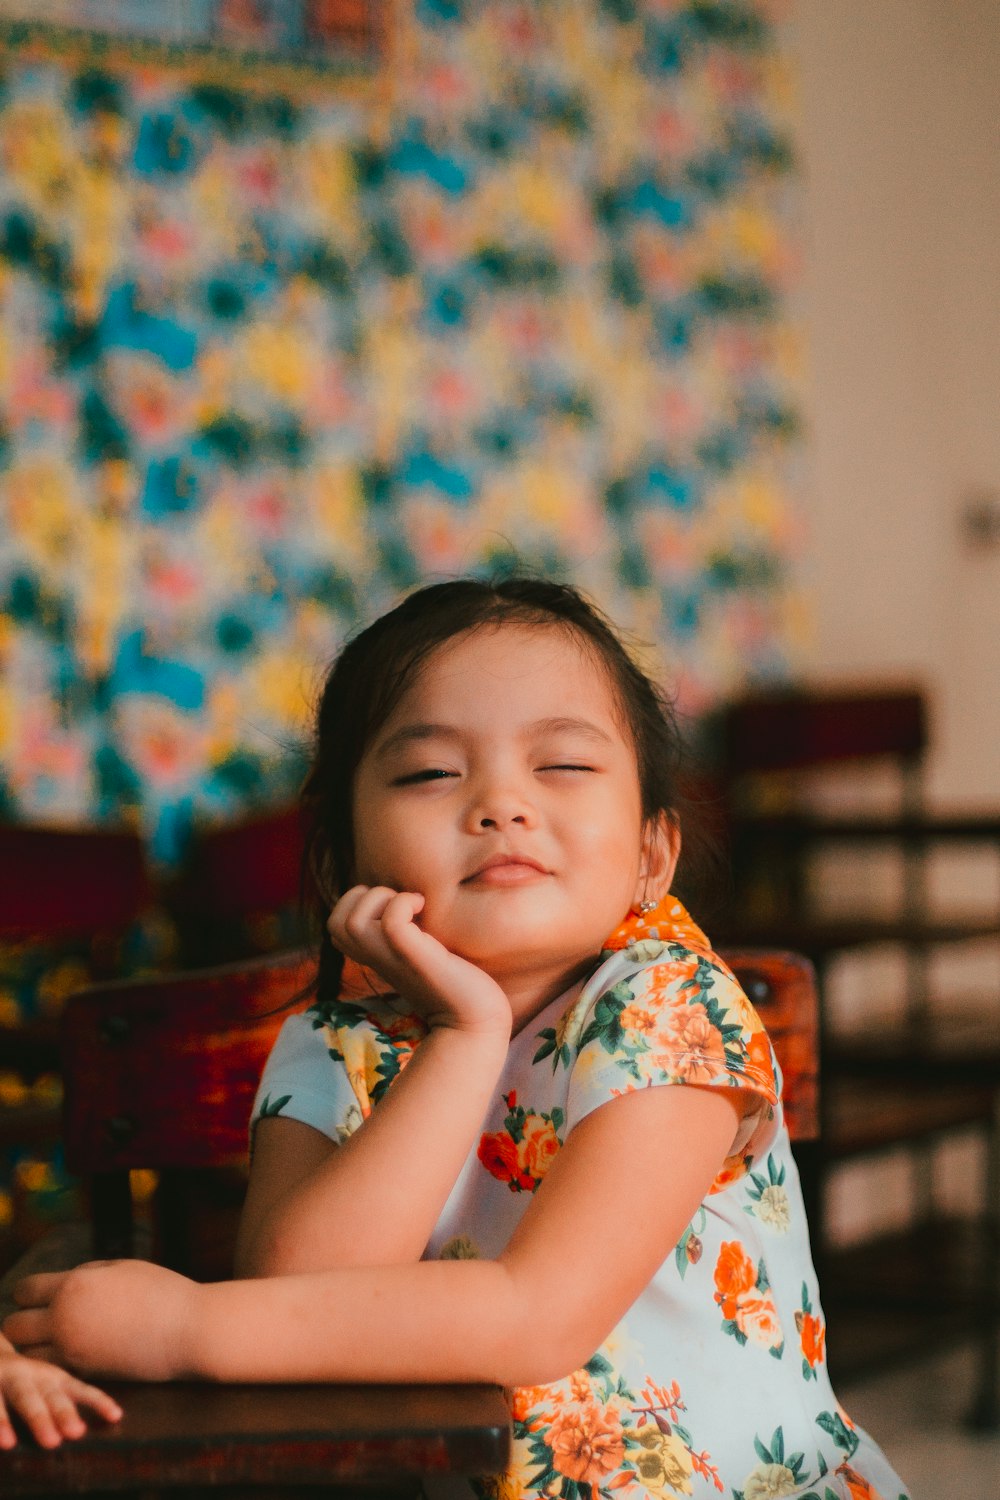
x=566, y=766
x=432, y=773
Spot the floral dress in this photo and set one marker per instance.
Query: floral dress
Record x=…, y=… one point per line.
x=715, y=1380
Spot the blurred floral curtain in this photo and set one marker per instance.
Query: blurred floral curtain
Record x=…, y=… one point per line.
x=268, y=361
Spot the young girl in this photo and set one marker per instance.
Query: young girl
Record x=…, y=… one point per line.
x=530, y=1131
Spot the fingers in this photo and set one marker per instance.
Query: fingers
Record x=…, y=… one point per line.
x=397, y=920
x=367, y=921
x=96, y=1400
x=65, y=1417
x=28, y=1400
x=38, y=1290
x=8, y=1437
x=48, y=1400
x=29, y=1327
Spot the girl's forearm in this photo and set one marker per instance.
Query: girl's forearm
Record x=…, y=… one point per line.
x=376, y=1199
x=448, y=1321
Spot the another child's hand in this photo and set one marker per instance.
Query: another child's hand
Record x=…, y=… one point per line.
x=375, y=926
x=125, y=1318
x=48, y=1400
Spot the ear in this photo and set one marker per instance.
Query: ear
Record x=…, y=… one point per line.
x=661, y=849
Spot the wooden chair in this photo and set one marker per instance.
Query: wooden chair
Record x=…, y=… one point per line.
x=919, y=1075
x=160, y=1075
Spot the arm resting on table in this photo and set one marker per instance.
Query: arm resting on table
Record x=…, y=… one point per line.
x=591, y=1240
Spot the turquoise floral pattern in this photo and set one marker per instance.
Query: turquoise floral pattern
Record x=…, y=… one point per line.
x=268, y=361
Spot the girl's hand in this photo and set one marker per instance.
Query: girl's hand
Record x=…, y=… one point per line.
x=125, y=1318
x=48, y=1400
x=375, y=926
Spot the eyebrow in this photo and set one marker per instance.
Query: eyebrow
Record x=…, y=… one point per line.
x=411, y=734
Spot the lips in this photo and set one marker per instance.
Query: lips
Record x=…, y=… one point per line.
x=506, y=869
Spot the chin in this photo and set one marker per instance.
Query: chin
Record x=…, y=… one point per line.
x=505, y=939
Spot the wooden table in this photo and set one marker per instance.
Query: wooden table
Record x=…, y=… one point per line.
x=351, y=1440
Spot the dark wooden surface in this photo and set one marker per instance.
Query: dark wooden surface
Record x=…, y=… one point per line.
x=174, y=1437
x=961, y=826
x=862, y=1118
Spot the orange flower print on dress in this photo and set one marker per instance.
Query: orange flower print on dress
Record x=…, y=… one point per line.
x=525, y=1399
x=812, y=1336
x=521, y=1153
x=700, y=1056
x=735, y=1276
x=742, y=1291
x=538, y=1146
x=758, y=1052
x=733, y=1168
x=498, y=1155
x=757, y=1318
x=637, y=1018
x=857, y=1486
x=587, y=1443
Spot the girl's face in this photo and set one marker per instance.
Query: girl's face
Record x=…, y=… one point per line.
x=505, y=790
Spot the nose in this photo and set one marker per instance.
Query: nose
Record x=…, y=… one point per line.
x=501, y=805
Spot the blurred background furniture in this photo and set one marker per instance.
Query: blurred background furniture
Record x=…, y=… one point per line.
x=810, y=777
x=239, y=890
x=74, y=909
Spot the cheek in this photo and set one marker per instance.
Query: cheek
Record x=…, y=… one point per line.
x=613, y=833
x=399, y=852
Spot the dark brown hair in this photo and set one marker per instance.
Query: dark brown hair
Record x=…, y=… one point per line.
x=373, y=671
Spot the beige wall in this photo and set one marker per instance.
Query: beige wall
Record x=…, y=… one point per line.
x=900, y=140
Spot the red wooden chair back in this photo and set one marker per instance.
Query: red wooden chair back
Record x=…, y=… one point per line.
x=795, y=729
x=251, y=866
x=239, y=894
x=782, y=988
x=58, y=883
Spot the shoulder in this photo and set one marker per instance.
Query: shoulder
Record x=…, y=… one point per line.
x=669, y=1012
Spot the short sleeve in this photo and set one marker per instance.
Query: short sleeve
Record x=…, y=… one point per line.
x=680, y=1018
x=302, y=1081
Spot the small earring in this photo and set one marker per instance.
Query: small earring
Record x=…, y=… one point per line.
x=645, y=906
